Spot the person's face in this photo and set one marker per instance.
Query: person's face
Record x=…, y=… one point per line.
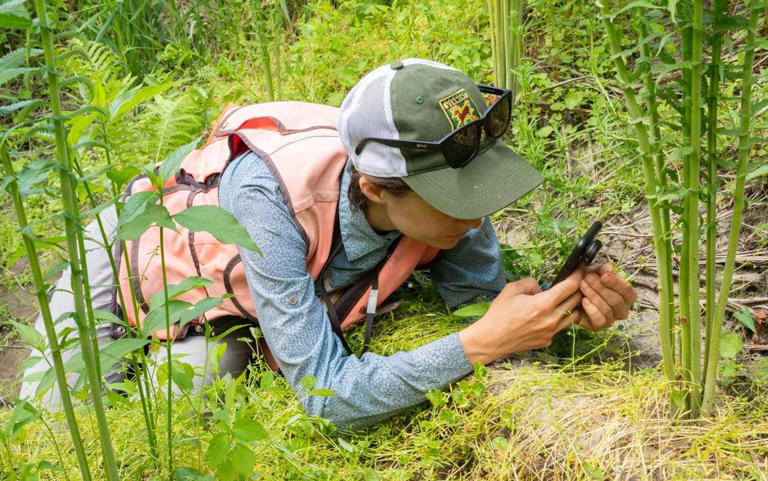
x=415, y=218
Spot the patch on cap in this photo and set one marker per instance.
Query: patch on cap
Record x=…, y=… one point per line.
x=459, y=108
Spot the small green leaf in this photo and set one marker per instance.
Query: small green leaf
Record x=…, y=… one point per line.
x=500, y=443
x=472, y=310
x=217, y=449
x=242, y=459
x=134, y=206
x=121, y=175
x=321, y=392
x=199, y=309
x=156, y=318
x=218, y=222
x=730, y=345
x=117, y=349
x=308, y=382
x=175, y=290
x=171, y=163
x=758, y=172
x=129, y=99
x=346, y=446
x=189, y=474
x=247, y=429
x=592, y=470
x=545, y=131
x=573, y=99
x=745, y=316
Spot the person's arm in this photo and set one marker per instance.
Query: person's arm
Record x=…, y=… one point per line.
x=471, y=271
x=297, y=328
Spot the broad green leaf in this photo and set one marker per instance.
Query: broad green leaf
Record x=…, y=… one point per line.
x=500, y=443
x=218, y=449
x=117, y=349
x=472, y=310
x=171, y=163
x=153, y=214
x=308, y=382
x=730, y=345
x=48, y=466
x=321, y=392
x=13, y=14
x=592, y=470
x=155, y=320
x=175, y=290
x=134, y=206
x=23, y=414
x=121, y=175
x=242, y=459
x=199, y=309
x=745, y=316
x=247, y=429
x=181, y=375
x=6, y=75
x=46, y=381
x=29, y=335
x=218, y=222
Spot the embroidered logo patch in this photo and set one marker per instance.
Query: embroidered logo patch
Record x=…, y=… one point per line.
x=459, y=109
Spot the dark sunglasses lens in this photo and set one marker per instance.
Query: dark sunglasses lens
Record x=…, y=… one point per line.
x=498, y=118
x=462, y=146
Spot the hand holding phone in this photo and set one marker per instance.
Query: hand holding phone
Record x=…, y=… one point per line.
x=584, y=253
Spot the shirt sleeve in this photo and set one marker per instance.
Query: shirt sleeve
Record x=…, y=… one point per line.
x=296, y=326
x=471, y=271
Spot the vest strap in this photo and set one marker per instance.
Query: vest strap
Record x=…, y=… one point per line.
x=320, y=289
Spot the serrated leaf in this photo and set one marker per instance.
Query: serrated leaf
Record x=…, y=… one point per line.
x=29, y=335
x=248, y=429
x=13, y=14
x=129, y=99
x=171, y=163
x=573, y=99
x=730, y=345
x=10, y=74
x=153, y=214
x=473, y=310
x=17, y=58
x=217, y=222
x=218, y=449
x=4, y=109
x=242, y=459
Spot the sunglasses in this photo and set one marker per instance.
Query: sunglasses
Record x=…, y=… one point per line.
x=463, y=144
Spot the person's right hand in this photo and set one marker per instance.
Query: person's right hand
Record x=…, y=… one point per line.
x=523, y=317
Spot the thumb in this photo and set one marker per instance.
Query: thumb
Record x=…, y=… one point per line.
x=523, y=286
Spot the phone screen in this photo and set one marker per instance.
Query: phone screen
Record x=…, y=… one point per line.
x=585, y=251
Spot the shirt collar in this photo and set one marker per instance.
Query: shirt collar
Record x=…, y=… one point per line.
x=357, y=235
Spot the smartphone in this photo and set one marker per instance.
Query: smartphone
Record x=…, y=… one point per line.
x=584, y=253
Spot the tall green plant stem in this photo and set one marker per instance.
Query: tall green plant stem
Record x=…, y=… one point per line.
x=712, y=180
x=667, y=289
x=651, y=186
x=69, y=205
x=738, y=208
x=45, y=312
x=691, y=223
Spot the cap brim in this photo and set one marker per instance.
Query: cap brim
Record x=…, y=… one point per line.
x=490, y=182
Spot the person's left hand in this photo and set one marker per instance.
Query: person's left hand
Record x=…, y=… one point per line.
x=607, y=298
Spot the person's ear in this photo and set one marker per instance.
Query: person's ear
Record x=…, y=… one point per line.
x=372, y=192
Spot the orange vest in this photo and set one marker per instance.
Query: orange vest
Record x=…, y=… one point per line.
x=300, y=144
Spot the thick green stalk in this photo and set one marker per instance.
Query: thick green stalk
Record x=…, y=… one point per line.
x=651, y=182
x=667, y=290
x=168, y=341
x=691, y=223
x=712, y=180
x=69, y=204
x=738, y=208
x=45, y=313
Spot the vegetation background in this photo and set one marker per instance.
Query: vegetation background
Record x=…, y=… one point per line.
x=590, y=407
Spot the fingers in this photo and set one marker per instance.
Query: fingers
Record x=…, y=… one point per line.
x=610, y=302
x=527, y=286
x=566, y=310
x=597, y=320
x=558, y=293
x=572, y=318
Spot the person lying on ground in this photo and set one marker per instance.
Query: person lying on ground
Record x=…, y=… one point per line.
x=344, y=204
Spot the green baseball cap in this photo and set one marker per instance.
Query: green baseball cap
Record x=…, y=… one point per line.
x=422, y=100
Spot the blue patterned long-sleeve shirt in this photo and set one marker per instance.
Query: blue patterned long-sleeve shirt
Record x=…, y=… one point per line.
x=296, y=325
